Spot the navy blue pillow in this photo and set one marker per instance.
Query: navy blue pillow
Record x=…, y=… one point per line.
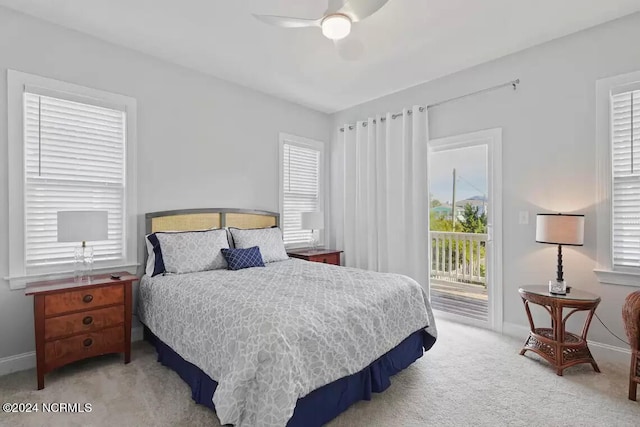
x=238, y=259
x=158, y=268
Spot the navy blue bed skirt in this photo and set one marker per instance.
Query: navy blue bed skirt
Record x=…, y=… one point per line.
x=323, y=404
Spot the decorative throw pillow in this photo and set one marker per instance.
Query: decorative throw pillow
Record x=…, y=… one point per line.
x=238, y=259
x=188, y=251
x=269, y=240
x=155, y=264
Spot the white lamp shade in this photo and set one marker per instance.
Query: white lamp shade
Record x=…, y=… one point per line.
x=560, y=229
x=312, y=220
x=82, y=226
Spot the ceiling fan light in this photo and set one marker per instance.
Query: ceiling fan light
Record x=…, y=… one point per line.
x=336, y=27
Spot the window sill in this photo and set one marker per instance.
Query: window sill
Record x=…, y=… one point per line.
x=20, y=282
x=618, y=278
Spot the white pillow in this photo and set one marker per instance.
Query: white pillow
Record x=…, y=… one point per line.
x=189, y=251
x=269, y=240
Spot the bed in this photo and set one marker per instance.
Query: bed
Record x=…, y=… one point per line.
x=293, y=343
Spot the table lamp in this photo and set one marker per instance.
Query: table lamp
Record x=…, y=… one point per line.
x=312, y=221
x=82, y=226
x=560, y=229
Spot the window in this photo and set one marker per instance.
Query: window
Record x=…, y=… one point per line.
x=618, y=165
x=301, y=186
x=71, y=148
x=625, y=155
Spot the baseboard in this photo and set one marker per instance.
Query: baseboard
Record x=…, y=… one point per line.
x=515, y=330
x=610, y=353
x=24, y=361
x=601, y=351
x=19, y=362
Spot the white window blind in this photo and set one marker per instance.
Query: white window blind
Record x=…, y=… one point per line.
x=301, y=190
x=625, y=145
x=74, y=160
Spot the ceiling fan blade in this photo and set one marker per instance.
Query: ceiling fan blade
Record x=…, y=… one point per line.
x=357, y=10
x=288, y=22
x=334, y=6
x=350, y=48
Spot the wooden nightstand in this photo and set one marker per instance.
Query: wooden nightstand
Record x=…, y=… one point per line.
x=77, y=320
x=327, y=256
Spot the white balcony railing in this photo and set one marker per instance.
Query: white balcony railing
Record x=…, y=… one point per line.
x=458, y=257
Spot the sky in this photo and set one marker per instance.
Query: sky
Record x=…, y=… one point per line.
x=471, y=169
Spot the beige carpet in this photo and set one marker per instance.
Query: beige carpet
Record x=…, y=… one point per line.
x=471, y=377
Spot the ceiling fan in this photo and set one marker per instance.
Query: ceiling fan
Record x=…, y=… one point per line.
x=337, y=20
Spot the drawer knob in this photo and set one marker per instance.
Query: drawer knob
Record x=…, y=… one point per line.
x=87, y=342
x=87, y=320
x=87, y=298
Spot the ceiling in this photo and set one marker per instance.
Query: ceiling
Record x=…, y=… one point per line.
x=407, y=42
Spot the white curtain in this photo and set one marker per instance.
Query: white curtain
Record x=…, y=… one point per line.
x=386, y=196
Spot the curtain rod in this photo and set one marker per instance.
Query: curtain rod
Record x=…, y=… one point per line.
x=512, y=83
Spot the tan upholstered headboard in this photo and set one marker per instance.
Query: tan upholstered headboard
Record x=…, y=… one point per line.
x=203, y=219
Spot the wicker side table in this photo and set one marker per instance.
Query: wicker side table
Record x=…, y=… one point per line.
x=631, y=318
x=557, y=346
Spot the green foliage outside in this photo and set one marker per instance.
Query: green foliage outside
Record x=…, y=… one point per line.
x=471, y=222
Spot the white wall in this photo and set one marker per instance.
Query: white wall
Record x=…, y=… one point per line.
x=206, y=142
x=202, y=142
x=548, y=149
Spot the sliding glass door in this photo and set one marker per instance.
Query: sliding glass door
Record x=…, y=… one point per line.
x=464, y=231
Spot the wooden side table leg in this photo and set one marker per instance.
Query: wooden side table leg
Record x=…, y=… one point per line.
x=40, y=380
x=127, y=322
x=585, y=331
x=633, y=369
x=38, y=314
x=558, y=333
x=531, y=325
x=524, y=348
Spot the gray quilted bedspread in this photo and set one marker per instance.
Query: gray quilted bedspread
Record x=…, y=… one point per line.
x=271, y=335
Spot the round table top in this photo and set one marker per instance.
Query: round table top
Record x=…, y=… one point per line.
x=574, y=294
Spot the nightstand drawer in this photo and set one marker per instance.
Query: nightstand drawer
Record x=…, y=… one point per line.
x=85, y=321
x=66, y=302
x=61, y=352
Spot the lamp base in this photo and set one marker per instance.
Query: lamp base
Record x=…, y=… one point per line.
x=557, y=288
x=83, y=264
x=315, y=241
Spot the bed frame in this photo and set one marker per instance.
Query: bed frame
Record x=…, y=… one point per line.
x=206, y=218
